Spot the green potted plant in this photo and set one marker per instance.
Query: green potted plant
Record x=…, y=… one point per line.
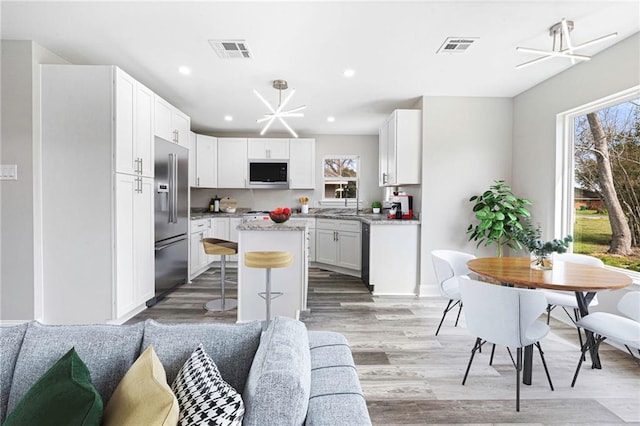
x=376, y=206
x=500, y=217
x=541, y=251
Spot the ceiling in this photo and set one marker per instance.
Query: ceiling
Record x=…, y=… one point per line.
x=391, y=45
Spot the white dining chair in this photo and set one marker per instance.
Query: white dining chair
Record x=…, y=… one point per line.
x=448, y=264
x=505, y=316
x=567, y=299
x=604, y=325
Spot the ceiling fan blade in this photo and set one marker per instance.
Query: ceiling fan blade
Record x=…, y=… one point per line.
x=300, y=108
x=295, y=114
x=295, y=135
x=262, y=120
x=267, y=126
x=594, y=41
x=263, y=100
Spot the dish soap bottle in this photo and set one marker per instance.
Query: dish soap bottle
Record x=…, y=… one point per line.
x=216, y=204
x=211, y=206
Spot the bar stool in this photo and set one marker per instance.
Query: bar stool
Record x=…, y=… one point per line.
x=222, y=248
x=268, y=260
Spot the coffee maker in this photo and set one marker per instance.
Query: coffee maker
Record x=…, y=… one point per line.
x=401, y=207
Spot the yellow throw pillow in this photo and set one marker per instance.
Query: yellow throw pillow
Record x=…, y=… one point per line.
x=143, y=396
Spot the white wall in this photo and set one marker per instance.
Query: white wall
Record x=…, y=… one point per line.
x=364, y=146
x=534, y=121
x=20, y=275
x=466, y=146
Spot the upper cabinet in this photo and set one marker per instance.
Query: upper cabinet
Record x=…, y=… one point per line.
x=206, y=162
x=232, y=162
x=268, y=148
x=302, y=170
x=133, y=126
x=171, y=123
x=400, y=140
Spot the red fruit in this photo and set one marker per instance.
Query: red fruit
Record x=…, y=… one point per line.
x=286, y=210
x=278, y=210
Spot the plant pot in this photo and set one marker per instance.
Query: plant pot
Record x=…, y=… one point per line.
x=542, y=262
x=376, y=210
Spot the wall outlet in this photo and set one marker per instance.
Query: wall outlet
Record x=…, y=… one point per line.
x=8, y=172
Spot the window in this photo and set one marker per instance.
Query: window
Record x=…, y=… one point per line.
x=593, y=203
x=340, y=176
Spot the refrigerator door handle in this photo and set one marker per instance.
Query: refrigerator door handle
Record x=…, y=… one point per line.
x=173, y=188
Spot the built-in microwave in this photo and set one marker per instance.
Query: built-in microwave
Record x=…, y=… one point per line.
x=268, y=173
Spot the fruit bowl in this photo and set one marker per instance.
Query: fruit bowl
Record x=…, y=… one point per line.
x=280, y=215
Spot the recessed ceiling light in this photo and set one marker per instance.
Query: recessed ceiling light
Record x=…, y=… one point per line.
x=331, y=119
x=184, y=70
x=228, y=118
x=349, y=72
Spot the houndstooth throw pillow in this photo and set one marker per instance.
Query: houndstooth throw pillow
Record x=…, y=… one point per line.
x=203, y=396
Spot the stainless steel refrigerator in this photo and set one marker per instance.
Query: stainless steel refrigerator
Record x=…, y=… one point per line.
x=171, y=217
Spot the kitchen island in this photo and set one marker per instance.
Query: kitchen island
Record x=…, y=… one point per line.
x=292, y=281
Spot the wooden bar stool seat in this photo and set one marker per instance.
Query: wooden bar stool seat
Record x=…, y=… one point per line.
x=222, y=248
x=268, y=260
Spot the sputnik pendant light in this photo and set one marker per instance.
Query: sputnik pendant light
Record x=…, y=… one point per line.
x=562, y=46
x=278, y=112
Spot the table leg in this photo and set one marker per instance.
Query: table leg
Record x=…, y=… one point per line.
x=528, y=362
x=583, y=300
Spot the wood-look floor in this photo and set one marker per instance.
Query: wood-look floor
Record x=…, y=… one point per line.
x=411, y=376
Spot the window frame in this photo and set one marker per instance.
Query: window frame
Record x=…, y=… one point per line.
x=350, y=202
x=565, y=146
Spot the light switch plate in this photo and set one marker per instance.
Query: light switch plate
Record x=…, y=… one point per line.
x=8, y=172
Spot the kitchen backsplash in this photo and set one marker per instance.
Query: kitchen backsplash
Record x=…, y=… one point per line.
x=258, y=199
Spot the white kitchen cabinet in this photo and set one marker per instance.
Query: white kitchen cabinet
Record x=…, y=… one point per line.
x=192, y=160
x=268, y=148
x=135, y=242
x=133, y=126
x=206, y=162
x=97, y=227
x=394, y=259
x=199, y=261
x=302, y=163
x=399, y=144
x=171, y=123
x=338, y=243
x=233, y=235
x=232, y=162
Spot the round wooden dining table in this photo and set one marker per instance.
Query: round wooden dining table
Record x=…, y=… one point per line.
x=583, y=280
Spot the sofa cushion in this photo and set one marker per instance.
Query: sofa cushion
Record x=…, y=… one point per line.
x=64, y=395
x=231, y=346
x=10, y=342
x=204, y=397
x=143, y=396
x=277, y=391
x=336, y=396
x=107, y=350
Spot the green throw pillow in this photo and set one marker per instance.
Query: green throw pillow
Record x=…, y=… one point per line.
x=63, y=395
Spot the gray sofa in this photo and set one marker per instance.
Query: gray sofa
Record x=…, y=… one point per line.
x=287, y=375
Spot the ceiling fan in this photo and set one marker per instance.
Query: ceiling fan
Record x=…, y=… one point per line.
x=279, y=112
x=562, y=46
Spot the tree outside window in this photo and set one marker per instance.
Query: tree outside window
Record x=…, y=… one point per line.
x=340, y=174
x=607, y=184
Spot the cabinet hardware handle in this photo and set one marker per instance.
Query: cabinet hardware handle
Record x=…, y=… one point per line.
x=198, y=181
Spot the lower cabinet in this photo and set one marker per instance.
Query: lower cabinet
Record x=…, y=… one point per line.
x=338, y=243
x=134, y=242
x=200, y=229
x=224, y=228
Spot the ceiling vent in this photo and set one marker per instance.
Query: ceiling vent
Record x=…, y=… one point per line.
x=231, y=49
x=456, y=44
